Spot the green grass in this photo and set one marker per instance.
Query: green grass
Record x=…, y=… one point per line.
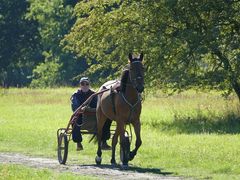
x=192, y=112
x=192, y=134
x=21, y=172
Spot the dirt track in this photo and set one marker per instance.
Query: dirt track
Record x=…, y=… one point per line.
x=103, y=171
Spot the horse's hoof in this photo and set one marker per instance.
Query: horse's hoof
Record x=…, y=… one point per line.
x=124, y=166
x=98, y=160
x=131, y=156
x=113, y=163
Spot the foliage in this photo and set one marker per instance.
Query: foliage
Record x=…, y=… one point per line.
x=46, y=74
x=54, y=21
x=210, y=33
x=19, y=47
x=30, y=29
x=186, y=43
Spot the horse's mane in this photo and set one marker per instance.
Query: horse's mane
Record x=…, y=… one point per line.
x=124, y=79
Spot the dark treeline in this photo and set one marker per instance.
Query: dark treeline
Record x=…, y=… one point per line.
x=186, y=43
x=30, y=50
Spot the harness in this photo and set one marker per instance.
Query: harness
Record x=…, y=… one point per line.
x=132, y=106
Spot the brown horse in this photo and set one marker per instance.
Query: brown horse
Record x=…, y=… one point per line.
x=124, y=107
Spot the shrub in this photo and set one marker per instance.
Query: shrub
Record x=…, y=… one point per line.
x=46, y=74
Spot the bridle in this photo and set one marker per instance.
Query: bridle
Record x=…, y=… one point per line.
x=134, y=80
x=133, y=83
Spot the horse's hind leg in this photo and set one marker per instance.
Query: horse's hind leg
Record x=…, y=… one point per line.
x=137, y=130
x=101, y=118
x=114, y=143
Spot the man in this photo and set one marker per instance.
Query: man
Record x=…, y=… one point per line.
x=78, y=98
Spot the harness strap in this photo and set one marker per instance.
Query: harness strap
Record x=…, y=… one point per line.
x=112, y=94
x=136, y=62
x=132, y=106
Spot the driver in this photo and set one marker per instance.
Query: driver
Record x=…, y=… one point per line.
x=77, y=99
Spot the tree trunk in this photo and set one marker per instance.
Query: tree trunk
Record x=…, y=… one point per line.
x=236, y=87
x=227, y=66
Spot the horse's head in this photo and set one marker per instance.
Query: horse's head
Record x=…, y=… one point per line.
x=136, y=72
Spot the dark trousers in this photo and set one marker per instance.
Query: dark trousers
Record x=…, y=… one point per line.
x=106, y=130
x=77, y=136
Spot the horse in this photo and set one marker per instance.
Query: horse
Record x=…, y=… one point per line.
x=124, y=107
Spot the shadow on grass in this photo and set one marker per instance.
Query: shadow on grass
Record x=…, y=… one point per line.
x=149, y=170
x=229, y=123
x=132, y=169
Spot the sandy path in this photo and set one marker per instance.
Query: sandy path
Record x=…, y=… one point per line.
x=103, y=171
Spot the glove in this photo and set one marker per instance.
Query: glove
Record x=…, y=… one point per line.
x=83, y=109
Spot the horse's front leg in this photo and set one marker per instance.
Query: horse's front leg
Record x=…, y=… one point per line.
x=137, y=130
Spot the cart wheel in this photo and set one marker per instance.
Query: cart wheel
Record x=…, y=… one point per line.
x=124, y=154
x=62, y=148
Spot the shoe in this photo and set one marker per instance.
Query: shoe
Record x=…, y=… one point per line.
x=79, y=146
x=105, y=146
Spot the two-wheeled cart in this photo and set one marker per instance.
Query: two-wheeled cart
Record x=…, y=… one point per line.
x=89, y=126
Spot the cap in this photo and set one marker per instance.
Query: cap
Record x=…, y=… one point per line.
x=84, y=79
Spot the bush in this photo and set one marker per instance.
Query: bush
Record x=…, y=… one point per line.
x=46, y=74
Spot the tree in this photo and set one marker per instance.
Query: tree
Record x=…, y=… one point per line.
x=19, y=48
x=55, y=18
x=210, y=31
x=187, y=43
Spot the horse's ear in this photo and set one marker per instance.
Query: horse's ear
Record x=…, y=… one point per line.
x=130, y=57
x=141, y=56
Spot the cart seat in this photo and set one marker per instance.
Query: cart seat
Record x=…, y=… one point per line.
x=89, y=121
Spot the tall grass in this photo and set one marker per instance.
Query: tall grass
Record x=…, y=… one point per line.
x=193, y=112
x=189, y=134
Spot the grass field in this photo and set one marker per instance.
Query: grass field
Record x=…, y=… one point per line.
x=22, y=172
x=192, y=134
